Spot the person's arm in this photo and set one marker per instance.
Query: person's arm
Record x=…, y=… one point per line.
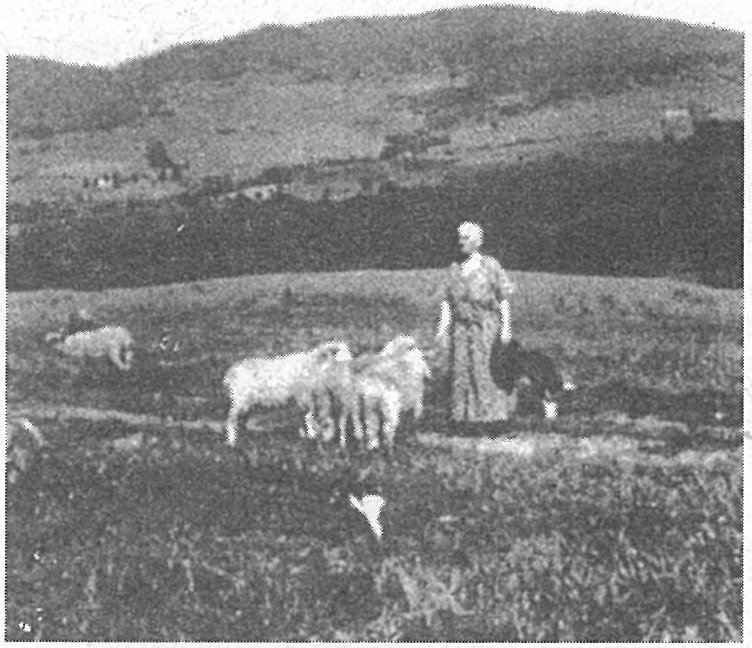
x=445, y=319
x=505, y=289
x=506, y=321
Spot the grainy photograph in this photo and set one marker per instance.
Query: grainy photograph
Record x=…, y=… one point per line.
x=335, y=322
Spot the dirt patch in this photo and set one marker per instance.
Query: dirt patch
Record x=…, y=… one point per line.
x=613, y=434
x=65, y=413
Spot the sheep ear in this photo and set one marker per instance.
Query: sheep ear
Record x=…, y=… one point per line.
x=325, y=351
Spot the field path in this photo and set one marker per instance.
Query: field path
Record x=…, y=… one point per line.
x=36, y=412
x=620, y=443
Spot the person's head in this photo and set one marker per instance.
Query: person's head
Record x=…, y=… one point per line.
x=470, y=237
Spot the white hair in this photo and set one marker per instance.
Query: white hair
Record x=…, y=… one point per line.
x=473, y=231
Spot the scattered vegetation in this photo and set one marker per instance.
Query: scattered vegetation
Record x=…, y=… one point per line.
x=646, y=209
x=121, y=531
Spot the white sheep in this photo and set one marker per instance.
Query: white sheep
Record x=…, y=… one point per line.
x=275, y=381
x=405, y=362
x=390, y=384
x=113, y=342
x=362, y=399
x=336, y=396
x=372, y=391
x=381, y=408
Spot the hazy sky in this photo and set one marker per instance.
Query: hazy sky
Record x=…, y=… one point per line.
x=109, y=31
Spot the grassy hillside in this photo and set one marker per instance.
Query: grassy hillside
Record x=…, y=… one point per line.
x=544, y=126
x=505, y=50
x=620, y=521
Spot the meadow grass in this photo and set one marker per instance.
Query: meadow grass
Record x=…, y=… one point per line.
x=632, y=534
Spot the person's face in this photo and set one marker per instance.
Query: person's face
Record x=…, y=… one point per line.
x=467, y=245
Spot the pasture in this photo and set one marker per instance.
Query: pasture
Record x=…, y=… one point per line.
x=619, y=521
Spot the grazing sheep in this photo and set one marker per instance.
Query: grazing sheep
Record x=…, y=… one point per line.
x=408, y=366
x=275, y=381
x=381, y=408
x=334, y=401
x=358, y=397
x=372, y=391
x=113, y=342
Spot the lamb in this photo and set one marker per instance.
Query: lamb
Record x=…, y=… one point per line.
x=356, y=395
x=373, y=388
x=405, y=361
x=335, y=395
x=275, y=381
x=381, y=408
x=390, y=384
x=113, y=342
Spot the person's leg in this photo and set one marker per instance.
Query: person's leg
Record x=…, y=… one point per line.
x=459, y=378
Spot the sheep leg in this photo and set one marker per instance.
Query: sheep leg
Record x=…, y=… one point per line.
x=320, y=415
x=310, y=426
x=391, y=421
x=356, y=420
x=231, y=425
x=115, y=357
x=128, y=358
x=342, y=435
x=372, y=427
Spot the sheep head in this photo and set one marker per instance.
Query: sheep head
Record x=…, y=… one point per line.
x=55, y=339
x=399, y=344
x=339, y=351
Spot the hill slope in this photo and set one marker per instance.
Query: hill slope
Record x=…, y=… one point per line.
x=506, y=49
x=546, y=127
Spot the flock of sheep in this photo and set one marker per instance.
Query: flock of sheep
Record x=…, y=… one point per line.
x=367, y=394
x=337, y=391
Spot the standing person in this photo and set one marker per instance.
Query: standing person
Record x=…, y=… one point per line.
x=474, y=312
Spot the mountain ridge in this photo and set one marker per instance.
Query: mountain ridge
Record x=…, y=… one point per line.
x=502, y=49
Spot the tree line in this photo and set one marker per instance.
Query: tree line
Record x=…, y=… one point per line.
x=653, y=210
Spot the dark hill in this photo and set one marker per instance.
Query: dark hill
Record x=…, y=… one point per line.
x=651, y=210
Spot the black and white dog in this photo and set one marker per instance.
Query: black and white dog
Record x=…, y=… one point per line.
x=510, y=363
